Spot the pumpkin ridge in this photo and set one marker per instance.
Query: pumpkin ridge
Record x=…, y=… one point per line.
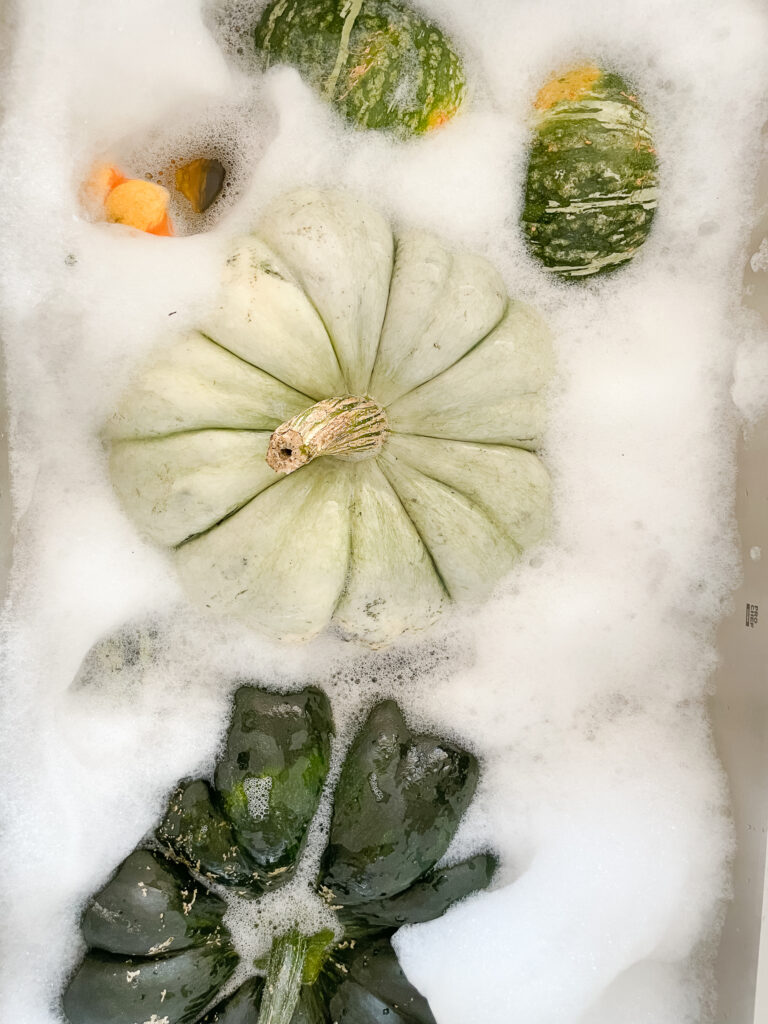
x=345, y=588
x=190, y=431
x=458, y=359
x=480, y=506
x=255, y=263
x=461, y=298
x=438, y=574
x=332, y=343
x=261, y=369
x=233, y=512
x=463, y=440
x=347, y=575
x=141, y=961
x=395, y=246
x=209, y=878
x=350, y=225
x=409, y=355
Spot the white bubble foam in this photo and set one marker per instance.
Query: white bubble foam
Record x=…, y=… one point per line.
x=582, y=685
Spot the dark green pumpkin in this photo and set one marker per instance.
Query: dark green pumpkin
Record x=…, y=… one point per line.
x=175, y=989
x=277, y=754
x=591, y=185
x=158, y=950
x=379, y=63
x=397, y=805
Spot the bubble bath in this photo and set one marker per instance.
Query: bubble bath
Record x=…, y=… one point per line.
x=582, y=684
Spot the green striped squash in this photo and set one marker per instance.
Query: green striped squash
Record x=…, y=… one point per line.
x=380, y=64
x=592, y=181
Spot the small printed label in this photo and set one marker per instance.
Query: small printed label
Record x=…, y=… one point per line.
x=751, y=615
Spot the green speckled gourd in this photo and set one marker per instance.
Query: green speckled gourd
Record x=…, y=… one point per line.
x=349, y=436
x=159, y=951
x=591, y=187
x=379, y=63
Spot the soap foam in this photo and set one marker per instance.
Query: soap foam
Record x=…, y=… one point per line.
x=582, y=684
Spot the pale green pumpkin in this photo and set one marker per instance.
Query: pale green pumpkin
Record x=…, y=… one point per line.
x=430, y=501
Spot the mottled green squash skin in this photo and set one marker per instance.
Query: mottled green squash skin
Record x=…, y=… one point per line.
x=376, y=61
x=592, y=180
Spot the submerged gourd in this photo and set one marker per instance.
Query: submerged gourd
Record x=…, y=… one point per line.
x=107, y=195
x=350, y=434
x=201, y=181
x=159, y=949
x=592, y=183
x=379, y=63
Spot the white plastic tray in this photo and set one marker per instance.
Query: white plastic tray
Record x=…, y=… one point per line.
x=740, y=708
x=739, y=705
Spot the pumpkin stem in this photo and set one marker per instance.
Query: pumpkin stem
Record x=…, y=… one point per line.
x=294, y=960
x=350, y=428
x=285, y=973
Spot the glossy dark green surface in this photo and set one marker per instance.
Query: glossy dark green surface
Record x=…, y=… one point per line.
x=312, y=1007
x=197, y=832
x=375, y=989
x=150, y=906
x=277, y=754
x=426, y=899
x=158, y=949
x=398, y=802
x=398, y=72
x=242, y=1007
x=112, y=990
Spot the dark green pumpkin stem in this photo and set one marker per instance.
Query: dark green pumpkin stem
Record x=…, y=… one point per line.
x=285, y=974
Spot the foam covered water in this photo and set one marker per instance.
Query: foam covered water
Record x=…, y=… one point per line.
x=582, y=685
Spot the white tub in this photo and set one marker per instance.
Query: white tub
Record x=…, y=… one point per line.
x=740, y=709
x=739, y=706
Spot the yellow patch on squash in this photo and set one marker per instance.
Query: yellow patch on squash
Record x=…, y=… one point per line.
x=440, y=117
x=570, y=86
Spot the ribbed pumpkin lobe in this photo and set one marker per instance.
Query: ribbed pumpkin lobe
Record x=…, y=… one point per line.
x=350, y=428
